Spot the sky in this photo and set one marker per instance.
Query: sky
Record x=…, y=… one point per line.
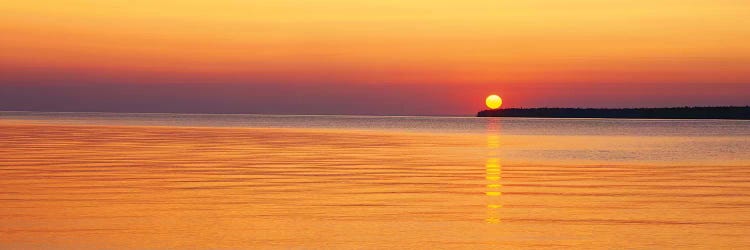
x=381, y=57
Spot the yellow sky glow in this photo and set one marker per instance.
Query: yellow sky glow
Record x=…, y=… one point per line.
x=537, y=41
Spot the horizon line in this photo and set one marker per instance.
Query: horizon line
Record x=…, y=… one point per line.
x=354, y=115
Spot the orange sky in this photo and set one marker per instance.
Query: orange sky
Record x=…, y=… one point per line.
x=476, y=46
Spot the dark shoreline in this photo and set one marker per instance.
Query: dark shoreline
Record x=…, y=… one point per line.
x=736, y=113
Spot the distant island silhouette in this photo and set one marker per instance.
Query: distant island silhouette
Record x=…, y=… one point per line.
x=732, y=112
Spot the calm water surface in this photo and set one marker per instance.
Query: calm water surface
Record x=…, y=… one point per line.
x=156, y=181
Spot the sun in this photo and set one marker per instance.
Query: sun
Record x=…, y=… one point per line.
x=493, y=101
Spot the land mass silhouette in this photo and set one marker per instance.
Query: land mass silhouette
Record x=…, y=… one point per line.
x=729, y=112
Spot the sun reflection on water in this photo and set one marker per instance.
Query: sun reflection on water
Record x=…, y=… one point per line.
x=493, y=172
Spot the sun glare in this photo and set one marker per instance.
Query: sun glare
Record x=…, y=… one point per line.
x=493, y=101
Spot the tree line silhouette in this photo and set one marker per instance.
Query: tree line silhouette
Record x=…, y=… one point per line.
x=727, y=112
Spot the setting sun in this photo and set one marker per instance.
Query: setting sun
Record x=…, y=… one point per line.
x=493, y=101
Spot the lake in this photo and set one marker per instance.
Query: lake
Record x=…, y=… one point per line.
x=174, y=181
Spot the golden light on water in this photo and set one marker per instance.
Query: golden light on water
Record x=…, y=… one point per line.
x=515, y=184
x=493, y=101
x=493, y=170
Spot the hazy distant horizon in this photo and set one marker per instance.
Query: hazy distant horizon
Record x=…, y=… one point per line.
x=338, y=99
x=335, y=114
